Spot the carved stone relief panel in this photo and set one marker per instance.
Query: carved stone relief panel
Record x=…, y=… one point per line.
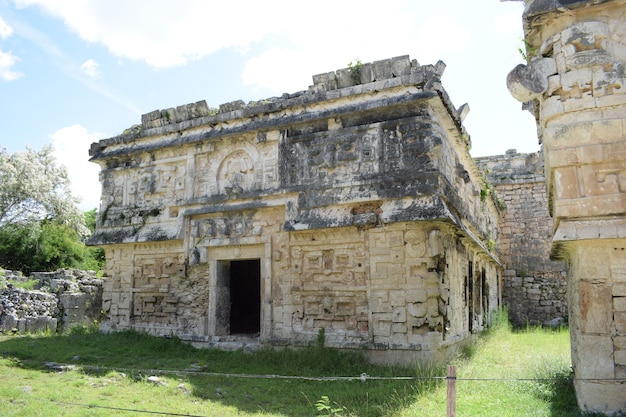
x=331, y=158
x=232, y=225
x=236, y=173
x=236, y=166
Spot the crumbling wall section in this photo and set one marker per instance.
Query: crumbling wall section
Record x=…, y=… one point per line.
x=63, y=299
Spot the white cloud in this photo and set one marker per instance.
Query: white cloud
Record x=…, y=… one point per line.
x=5, y=30
x=71, y=146
x=164, y=34
x=7, y=61
x=91, y=68
x=161, y=32
x=306, y=37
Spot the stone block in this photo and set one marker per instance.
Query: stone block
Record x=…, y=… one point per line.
x=607, y=130
x=600, y=397
x=594, y=263
x=397, y=298
x=399, y=315
x=577, y=79
x=618, y=290
x=380, y=302
x=619, y=304
x=595, y=308
x=8, y=323
x=611, y=100
x=567, y=135
x=398, y=328
x=620, y=357
x=566, y=182
x=620, y=321
x=416, y=296
x=595, y=356
x=417, y=309
x=381, y=324
x=398, y=340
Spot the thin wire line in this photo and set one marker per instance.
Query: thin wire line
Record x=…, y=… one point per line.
x=363, y=377
x=164, y=413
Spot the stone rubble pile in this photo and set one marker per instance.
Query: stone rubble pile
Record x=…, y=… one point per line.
x=27, y=311
x=62, y=299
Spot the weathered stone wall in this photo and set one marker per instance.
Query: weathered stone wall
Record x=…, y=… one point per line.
x=63, y=299
x=574, y=83
x=534, y=286
x=353, y=206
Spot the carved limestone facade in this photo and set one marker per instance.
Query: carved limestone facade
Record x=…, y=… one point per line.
x=574, y=83
x=352, y=207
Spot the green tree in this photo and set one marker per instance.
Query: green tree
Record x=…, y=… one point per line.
x=18, y=244
x=91, y=217
x=97, y=254
x=41, y=227
x=33, y=187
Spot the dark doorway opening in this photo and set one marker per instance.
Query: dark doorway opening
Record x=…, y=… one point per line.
x=245, y=297
x=470, y=295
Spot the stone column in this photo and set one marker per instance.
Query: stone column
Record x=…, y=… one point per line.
x=574, y=83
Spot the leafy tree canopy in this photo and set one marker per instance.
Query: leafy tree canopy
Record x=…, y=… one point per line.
x=33, y=188
x=41, y=228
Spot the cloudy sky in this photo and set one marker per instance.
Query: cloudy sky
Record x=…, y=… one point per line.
x=76, y=71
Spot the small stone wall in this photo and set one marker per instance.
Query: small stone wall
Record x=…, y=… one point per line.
x=62, y=299
x=536, y=299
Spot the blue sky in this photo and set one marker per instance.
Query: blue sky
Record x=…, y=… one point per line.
x=73, y=72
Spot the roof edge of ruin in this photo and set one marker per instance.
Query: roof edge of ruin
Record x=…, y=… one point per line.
x=372, y=78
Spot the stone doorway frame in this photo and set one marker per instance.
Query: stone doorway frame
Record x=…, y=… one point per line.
x=220, y=250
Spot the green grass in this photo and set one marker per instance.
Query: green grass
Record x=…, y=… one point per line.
x=112, y=371
x=509, y=373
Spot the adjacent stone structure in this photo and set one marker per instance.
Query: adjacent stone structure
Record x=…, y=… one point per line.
x=353, y=207
x=534, y=287
x=574, y=83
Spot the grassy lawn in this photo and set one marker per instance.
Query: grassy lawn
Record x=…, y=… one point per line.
x=125, y=373
x=507, y=373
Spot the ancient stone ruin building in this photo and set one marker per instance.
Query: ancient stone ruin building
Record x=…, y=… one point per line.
x=534, y=287
x=352, y=207
x=574, y=83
